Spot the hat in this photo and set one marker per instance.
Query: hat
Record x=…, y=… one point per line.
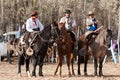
x=34, y=13
x=67, y=11
x=90, y=13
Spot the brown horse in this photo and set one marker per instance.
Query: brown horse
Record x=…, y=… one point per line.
x=97, y=47
x=65, y=47
x=11, y=48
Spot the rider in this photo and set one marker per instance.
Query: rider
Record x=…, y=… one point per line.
x=70, y=23
x=91, y=24
x=32, y=24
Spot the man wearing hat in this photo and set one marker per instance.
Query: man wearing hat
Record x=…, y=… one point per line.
x=70, y=23
x=91, y=22
x=33, y=24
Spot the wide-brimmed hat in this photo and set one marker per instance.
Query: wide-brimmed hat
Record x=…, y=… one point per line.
x=67, y=11
x=90, y=13
x=34, y=13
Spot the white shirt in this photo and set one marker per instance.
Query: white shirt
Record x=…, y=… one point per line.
x=68, y=20
x=30, y=25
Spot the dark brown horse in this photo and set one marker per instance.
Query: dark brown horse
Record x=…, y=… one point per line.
x=65, y=47
x=96, y=47
x=39, y=44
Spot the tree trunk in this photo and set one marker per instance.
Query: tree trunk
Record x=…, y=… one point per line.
x=119, y=37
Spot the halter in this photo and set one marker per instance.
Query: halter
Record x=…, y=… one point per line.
x=54, y=29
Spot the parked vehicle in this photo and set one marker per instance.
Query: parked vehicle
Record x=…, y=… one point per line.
x=4, y=38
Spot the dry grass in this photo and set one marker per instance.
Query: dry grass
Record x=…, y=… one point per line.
x=9, y=72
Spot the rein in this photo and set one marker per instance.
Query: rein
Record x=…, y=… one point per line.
x=38, y=34
x=58, y=36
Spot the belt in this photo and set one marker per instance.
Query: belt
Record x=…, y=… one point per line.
x=36, y=29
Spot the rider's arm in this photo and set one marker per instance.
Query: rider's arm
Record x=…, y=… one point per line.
x=63, y=20
x=74, y=23
x=41, y=27
x=89, y=23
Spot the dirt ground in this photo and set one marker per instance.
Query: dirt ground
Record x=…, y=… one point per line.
x=111, y=71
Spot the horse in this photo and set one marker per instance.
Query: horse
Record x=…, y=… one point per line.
x=38, y=49
x=22, y=56
x=96, y=46
x=64, y=47
x=11, y=48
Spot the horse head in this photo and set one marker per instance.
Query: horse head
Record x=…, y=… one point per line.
x=57, y=31
x=109, y=37
x=104, y=37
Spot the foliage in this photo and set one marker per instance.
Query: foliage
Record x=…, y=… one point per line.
x=17, y=11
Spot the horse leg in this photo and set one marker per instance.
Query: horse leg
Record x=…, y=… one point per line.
x=40, y=65
x=85, y=64
x=27, y=67
x=60, y=68
x=57, y=65
x=9, y=54
x=34, y=66
x=20, y=62
x=100, y=67
x=68, y=64
x=73, y=73
x=95, y=66
x=57, y=68
x=79, y=62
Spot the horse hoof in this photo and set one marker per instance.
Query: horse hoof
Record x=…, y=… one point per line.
x=19, y=75
x=79, y=73
x=10, y=62
x=73, y=74
x=41, y=75
x=96, y=76
x=101, y=75
x=28, y=73
x=70, y=75
x=33, y=75
x=54, y=74
x=85, y=74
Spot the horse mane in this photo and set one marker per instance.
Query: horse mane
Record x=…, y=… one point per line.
x=46, y=28
x=46, y=33
x=101, y=36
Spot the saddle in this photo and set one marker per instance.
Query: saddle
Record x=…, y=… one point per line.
x=31, y=37
x=29, y=50
x=89, y=35
x=92, y=34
